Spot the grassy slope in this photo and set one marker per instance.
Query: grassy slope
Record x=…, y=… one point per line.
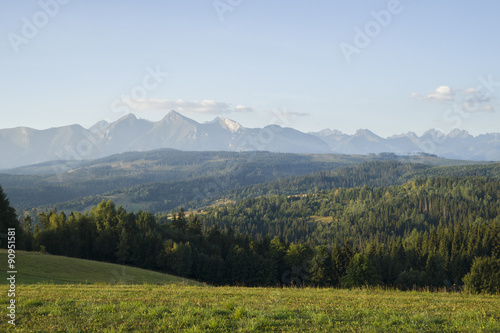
x=179, y=308
x=33, y=267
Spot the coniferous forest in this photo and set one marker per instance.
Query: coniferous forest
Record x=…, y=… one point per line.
x=428, y=232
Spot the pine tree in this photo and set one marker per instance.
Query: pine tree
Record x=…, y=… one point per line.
x=194, y=225
x=360, y=272
x=277, y=250
x=8, y=219
x=321, y=267
x=338, y=264
x=180, y=221
x=27, y=227
x=122, y=252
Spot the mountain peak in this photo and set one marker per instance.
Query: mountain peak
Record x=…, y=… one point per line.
x=458, y=133
x=434, y=133
x=229, y=124
x=365, y=132
x=411, y=135
x=129, y=116
x=176, y=116
x=24, y=146
x=127, y=120
x=99, y=125
x=173, y=113
x=328, y=132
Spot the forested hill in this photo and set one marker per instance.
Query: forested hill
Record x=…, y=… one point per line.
x=371, y=174
x=268, y=177
x=162, y=180
x=130, y=176
x=364, y=213
x=441, y=231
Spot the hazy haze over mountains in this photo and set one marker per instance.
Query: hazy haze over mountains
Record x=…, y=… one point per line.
x=24, y=146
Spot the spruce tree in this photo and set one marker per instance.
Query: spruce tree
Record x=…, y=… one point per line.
x=8, y=219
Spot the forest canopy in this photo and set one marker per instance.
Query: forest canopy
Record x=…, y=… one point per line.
x=429, y=232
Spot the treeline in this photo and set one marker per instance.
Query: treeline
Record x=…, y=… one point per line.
x=432, y=232
x=371, y=174
x=364, y=213
x=426, y=232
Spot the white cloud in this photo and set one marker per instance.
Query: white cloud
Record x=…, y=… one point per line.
x=205, y=106
x=441, y=94
x=242, y=108
x=470, y=100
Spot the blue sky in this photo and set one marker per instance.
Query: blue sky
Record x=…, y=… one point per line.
x=388, y=66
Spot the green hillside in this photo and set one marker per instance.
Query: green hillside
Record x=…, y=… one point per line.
x=32, y=186
x=152, y=180
x=35, y=267
x=371, y=174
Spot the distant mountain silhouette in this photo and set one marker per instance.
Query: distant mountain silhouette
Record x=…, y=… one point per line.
x=24, y=146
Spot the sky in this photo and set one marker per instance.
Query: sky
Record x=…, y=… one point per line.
x=388, y=66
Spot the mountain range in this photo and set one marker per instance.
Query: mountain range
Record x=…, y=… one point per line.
x=25, y=146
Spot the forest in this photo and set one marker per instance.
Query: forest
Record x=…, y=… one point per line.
x=429, y=232
x=166, y=179
x=143, y=175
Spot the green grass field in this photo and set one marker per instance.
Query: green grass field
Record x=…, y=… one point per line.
x=34, y=267
x=87, y=296
x=181, y=308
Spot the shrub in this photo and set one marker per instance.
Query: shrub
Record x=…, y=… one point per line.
x=484, y=276
x=408, y=280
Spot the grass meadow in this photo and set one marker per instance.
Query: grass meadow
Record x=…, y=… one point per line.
x=58, y=294
x=35, y=267
x=183, y=308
